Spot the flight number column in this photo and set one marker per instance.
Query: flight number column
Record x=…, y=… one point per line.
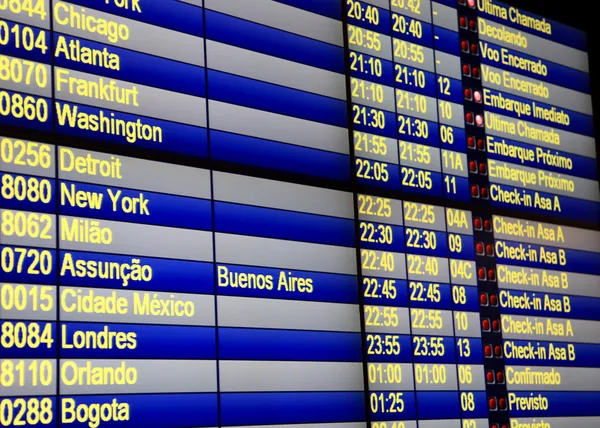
x=548, y=297
x=371, y=80
x=25, y=71
x=289, y=338
x=28, y=290
x=121, y=74
x=137, y=306
x=391, y=395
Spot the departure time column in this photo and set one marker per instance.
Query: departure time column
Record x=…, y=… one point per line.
x=386, y=315
x=372, y=94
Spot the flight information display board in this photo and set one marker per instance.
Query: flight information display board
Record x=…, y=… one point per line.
x=296, y=213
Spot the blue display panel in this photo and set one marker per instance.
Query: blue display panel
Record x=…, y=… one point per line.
x=345, y=214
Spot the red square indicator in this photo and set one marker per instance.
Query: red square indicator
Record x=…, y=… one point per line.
x=502, y=403
x=483, y=299
x=487, y=351
x=471, y=142
x=466, y=69
x=464, y=46
x=485, y=325
x=477, y=223
x=475, y=72
x=479, y=248
x=498, y=351
x=462, y=21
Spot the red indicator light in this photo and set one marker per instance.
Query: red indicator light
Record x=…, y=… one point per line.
x=496, y=326
x=477, y=223
x=473, y=167
x=498, y=351
x=475, y=72
x=483, y=299
x=468, y=94
x=502, y=403
x=481, y=274
x=489, y=377
x=480, y=144
x=466, y=69
x=491, y=275
x=471, y=3
x=474, y=49
x=493, y=404
x=479, y=248
x=469, y=118
x=487, y=350
x=500, y=377
x=477, y=96
x=482, y=169
x=475, y=191
x=487, y=225
x=472, y=25
x=494, y=300
x=463, y=22
x=471, y=142
x=489, y=250
x=484, y=193
x=485, y=325
x=464, y=46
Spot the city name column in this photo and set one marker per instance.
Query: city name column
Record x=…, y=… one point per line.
x=137, y=310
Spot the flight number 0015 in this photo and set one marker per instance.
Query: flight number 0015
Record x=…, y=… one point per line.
x=19, y=297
